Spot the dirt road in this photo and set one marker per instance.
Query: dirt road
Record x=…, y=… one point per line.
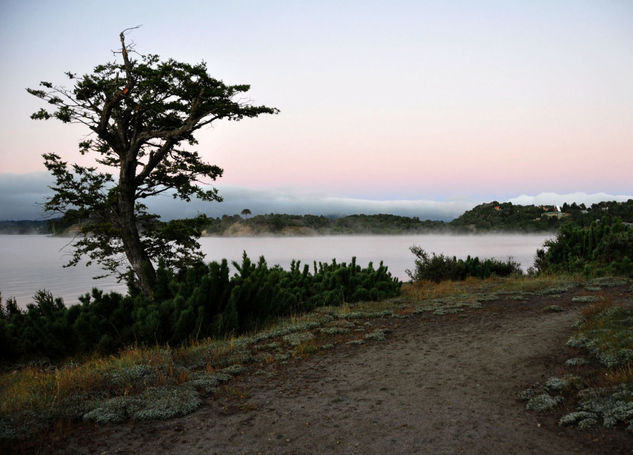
x=437, y=385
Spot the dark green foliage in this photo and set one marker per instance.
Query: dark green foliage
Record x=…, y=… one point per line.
x=275, y=223
x=24, y=227
x=142, y=113
x=492, y=216
x=505, y=216
x=439, y=267
x=604, y=247
x=196, y=302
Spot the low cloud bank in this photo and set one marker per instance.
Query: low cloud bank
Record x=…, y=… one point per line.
x=22, y=197
x=560, y=199
x=300, y=203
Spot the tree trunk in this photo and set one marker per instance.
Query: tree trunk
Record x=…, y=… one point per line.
x=136, y=255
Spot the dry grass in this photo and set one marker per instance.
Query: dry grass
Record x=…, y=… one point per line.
x=619, y=375
x=37, y=388
x=426, y=290
x=589, y=313
x=305, y=348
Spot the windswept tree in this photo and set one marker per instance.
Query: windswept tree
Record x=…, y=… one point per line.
x=142, y=112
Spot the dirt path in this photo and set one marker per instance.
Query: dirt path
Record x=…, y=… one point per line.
x=436, y=385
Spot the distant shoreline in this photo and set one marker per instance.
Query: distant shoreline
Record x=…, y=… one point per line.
x=490, y=217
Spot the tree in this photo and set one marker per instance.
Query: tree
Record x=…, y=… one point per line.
x=140, y=112
x=246, y=213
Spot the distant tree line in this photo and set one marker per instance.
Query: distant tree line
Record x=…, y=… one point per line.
x=488, y=217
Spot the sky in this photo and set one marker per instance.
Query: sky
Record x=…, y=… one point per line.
x=422, y=108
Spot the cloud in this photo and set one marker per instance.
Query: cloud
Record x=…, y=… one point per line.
x=560, y=199
x=298, y=202
x=22, y=196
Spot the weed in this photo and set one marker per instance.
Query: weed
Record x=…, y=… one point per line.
x=586, y=299
x=305, y=348
x=356, y=342
x=234, y=370
x=563, y=385
x=593, y=288
x=295, y=339
x=553, y=309
x=543, y=402
x=376, y=335
x=575, y=361
x=334, y=330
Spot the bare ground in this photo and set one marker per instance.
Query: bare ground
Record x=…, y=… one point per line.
x=438, y=384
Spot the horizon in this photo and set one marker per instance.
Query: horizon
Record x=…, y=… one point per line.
x=22, y=196
x=416, y=109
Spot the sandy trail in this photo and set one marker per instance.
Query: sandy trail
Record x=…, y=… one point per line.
x=437, y=385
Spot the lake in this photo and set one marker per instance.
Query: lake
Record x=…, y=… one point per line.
x=32, y=262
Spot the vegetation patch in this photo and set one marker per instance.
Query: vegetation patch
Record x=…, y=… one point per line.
x=190, y=304
x=333, y=330
x=602, y=248
x=593, y=288
x=554, y=309
x=563, y=384
x=543, y=402
x=576, y=362
x=356, y=342
x=609, y=281
x=155, y=403
x=295, y=339
x=306, y=347
x=554, y=291
x=586, y=299
x=376, y=335
x=611, y=406
x=605, y=332
x=439, y=267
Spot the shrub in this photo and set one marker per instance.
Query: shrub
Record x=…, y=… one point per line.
x=190, y=304
x=439, y=267
x=603, y=248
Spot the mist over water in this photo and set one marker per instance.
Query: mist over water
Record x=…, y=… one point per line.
x=32, y=262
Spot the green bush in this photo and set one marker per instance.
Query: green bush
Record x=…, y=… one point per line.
x=194, y=303
x=605, y=247
x=439, y=267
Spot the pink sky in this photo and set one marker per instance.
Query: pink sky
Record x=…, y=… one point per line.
x=412, y=100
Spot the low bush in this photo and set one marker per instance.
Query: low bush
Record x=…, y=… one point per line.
x=439, y=267
x=191, y=304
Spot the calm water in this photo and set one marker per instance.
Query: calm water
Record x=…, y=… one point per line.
x=32, y=262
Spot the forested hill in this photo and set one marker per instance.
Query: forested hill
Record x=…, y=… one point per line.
x=280, y=224
x=24, y=227
x=491, y=216
x=496, y=216
x=487, y=217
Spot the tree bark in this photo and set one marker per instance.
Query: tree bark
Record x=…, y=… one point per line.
x=139, y=260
